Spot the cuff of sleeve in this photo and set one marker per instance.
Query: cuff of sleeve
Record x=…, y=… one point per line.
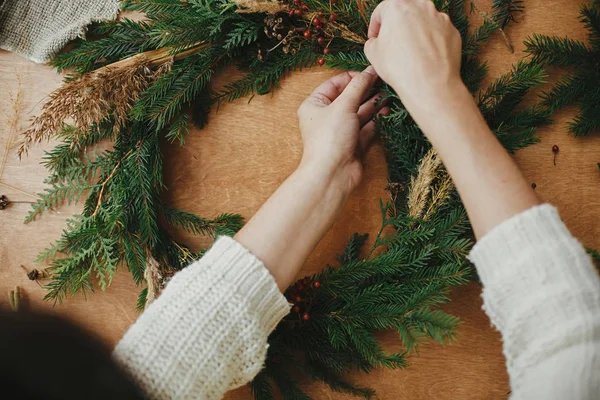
x=504, y=246
x=207, y=332
x=252, y=279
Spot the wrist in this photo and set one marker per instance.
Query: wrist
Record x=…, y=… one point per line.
x=327, y=177
x=432, y=103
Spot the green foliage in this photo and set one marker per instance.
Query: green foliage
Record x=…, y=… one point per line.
x=398, y=285
x=580, y=60
x=595, y=255
x=504, y=11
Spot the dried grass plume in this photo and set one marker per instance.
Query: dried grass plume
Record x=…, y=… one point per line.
x=153, y=279
x=110, y=91
x=430, y=189
x=260, y=6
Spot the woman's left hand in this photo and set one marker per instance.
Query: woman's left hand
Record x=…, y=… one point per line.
x=337, y=126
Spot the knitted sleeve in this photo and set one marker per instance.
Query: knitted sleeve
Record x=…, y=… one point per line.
x=207, y=332
x=543, y=294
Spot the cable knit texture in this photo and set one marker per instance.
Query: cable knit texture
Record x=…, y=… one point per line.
x=38, y=29
x=207, y=332
x=543, y=294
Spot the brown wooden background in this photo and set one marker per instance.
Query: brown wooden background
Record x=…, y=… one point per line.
x=239, y=160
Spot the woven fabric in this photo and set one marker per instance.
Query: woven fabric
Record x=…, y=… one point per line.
x=38, y=29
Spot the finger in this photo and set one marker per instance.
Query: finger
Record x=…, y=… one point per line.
x=369, y=108
x=375, y=23
x=329, y=90
x=367, y=132
x=357, y=89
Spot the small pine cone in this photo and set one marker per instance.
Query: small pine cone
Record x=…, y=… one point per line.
x=286, y=49
x=294, y=50
x=279, y=36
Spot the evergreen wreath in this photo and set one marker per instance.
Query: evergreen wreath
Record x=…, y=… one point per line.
x=138, y=82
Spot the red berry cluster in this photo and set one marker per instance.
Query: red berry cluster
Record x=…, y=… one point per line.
x=315, y=30
x=300, y=294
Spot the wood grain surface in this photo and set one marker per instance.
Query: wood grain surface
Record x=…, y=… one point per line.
x=246, y=151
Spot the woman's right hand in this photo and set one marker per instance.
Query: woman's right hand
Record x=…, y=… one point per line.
x=416, y=49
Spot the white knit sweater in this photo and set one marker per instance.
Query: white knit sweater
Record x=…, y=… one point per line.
x=207, y=333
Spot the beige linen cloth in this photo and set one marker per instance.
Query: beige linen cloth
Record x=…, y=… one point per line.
x=38, y=29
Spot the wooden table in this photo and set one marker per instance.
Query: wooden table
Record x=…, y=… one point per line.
x=245, y=153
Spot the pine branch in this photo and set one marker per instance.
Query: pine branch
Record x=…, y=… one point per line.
x=224, y=224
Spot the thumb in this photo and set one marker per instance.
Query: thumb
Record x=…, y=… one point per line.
x=369, y=49
x=353, y=95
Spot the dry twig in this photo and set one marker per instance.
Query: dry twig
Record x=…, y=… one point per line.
x=14, y=298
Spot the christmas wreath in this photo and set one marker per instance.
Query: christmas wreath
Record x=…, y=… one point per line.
x=137, y=83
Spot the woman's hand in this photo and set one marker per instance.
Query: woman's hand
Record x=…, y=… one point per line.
x=336, y=123
x=416, y=50
x=336, y=126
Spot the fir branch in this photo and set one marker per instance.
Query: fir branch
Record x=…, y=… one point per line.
x=504, y=11
x=352, y=250
x=224, y=224
x=558, y=52
x=579, y=60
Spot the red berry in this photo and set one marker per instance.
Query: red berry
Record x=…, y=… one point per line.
x=326, y=50
x=321, y=61
x=307, y=34
x=555, y=149
x=298, y=13
x=304, y=7
x=332, y=17
x=297, y=1
x=317, y=285
x=305, y=316
x=316, y=21
x=333, y=1
x=296, y=309
x=318, y=26
x=321, y=41
x=298, y=299
x=320, y=14
x=292, y=13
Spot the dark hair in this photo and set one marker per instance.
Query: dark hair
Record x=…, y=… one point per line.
x=46, y=357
